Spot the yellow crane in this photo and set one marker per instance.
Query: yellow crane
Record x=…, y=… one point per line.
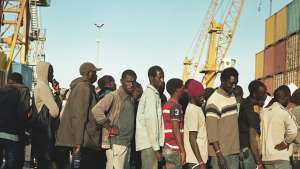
x=217, y=36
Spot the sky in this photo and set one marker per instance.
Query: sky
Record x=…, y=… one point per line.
x=138, y=34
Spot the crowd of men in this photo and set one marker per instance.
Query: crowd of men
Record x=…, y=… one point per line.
x=130, y=127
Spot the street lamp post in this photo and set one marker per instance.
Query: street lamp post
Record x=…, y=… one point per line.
x=98, y=26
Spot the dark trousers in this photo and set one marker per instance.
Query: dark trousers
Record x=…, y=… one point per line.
x=296, y=164
x=12, y=154
x=92, y=159
x=62, y=157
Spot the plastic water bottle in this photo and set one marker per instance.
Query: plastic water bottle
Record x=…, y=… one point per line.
x=76, y=160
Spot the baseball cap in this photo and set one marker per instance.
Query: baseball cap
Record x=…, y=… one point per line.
x=88, y=67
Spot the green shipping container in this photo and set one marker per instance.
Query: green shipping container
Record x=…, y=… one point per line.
x=294, y=17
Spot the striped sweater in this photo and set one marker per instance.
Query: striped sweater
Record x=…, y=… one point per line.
x=222, y=122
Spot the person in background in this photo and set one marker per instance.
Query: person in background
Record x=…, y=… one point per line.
x=116, y=112
x=149, y=125
x=15, y=106
x=249, y=121
x=44, y=123
x=222, y=123
x=184, y=99
x=295, y=99
x=106, y=84
x=135, y=160
x=78, y=131
x=162, y=96
x=238, y=93
x=195, y=135
x=278, y=131
x=173, y=118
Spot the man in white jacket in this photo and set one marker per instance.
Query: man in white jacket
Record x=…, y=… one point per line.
x=278, y=131
x=149, y=125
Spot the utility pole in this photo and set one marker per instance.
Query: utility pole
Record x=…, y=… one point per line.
x=99, y=26
x=271, y=3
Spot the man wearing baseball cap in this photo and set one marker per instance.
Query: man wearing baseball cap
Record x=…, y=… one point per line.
x=78, y=131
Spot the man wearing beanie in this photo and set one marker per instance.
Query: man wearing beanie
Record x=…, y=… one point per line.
x=195, y=136
x=222, y=123
x=78, y=131
x=173, y=150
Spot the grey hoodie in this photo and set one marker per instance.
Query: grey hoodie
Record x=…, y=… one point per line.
x=42, y=92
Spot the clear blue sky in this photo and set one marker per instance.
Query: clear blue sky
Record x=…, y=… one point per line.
x=140, y=33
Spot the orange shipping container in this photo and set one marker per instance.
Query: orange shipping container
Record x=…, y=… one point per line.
x=259, y=65
x=281, y=24
x=278, y=80
x=293, y=52
x=269, y=61
x=280, y=57
x=270, y=31
x=269, y=84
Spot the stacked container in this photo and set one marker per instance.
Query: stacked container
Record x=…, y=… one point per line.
x=26, y=72
x=278, y=63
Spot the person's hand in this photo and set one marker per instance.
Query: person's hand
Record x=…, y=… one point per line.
x=76, y=148
x=203, y=166
x=183, y=157
x=222, y=162
x=260, y=166
x=281, y=146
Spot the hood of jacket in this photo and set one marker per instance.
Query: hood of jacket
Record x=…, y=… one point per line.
x=42, y=70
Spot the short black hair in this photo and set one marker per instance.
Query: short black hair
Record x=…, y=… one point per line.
x=238, y=91
x=173, y=85
x=281, y=91
x=228, y=72
x=104, y=80
x=128, y=72
x=152, y=70
x=16, y=77
x=296, y=97
x=254, y=86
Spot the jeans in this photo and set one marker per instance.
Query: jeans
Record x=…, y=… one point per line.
x=172, y=159
x=118, y=157
x=62, y=157
x=12, y=153
x=149, y=160
x=232, y=161
x=296, y=164
x=246, y=159
x=278, y=165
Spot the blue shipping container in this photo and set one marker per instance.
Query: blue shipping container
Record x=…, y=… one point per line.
x=26, y=72
x=293, y=17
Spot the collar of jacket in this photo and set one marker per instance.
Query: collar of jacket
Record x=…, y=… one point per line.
x=123, y=95
x=153, y=88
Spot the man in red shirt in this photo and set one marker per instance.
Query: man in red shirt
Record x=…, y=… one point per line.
x=173, y=117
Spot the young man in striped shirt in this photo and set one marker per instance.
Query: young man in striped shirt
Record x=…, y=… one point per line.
x=222, y=123
x=173, y=117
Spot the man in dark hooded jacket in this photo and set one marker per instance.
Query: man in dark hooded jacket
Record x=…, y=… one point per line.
x=44, y=118
x=78, y=131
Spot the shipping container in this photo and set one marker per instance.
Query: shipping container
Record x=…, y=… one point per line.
x=293, y=17
x=293, y=52
x=269, y=84
x=281, y=24
x=2, y=78
x=259, y=65
x=280, y=57
x=279, y=80
x=270, y=31
x=269, y=57
x=26, y=72
x=292, y=77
